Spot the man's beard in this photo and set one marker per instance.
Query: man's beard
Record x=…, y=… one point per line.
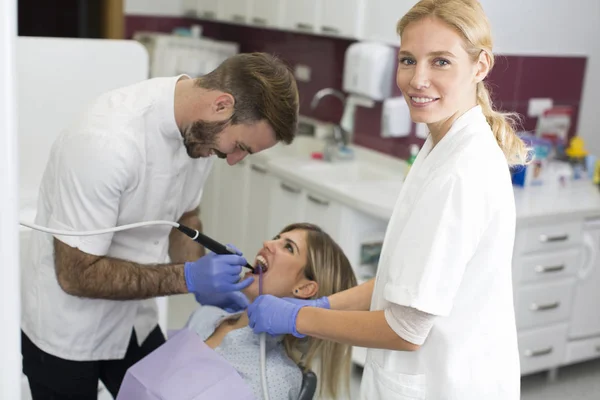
x=201, y=137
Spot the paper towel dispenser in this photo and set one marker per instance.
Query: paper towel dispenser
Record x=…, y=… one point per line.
x=369, y=70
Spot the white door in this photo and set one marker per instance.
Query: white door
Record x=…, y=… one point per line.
x=259, y=196
x=341, y=17
x=381, y=17
x=287, y=205
x=301, y=15
x=585, y=318
x=234, y=10
x=268, y=13
x=208, y=9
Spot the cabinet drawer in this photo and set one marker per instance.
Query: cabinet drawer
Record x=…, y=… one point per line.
x=547, y=266
x=549, y=237
x=542, y=349
x=582, y=350
x=543, y=304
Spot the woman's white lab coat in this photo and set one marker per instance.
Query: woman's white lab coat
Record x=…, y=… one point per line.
x=447, y=252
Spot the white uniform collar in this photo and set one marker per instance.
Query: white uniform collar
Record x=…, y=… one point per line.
x=473, y=118
x=470, y=117
x=166, y=105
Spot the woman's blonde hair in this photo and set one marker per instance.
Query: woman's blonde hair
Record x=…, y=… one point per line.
x=327, y=265
x=469, y=20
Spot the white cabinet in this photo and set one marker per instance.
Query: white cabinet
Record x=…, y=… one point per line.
x=302, y=15
x=209, y=211
x=190, y=7
x=234, y=10
x=341, y=17
x=381, y=17
x=207, y=9
x=267, y=13
x=259, y=203
x=231, y=205
x=323, y=212
x=287, y=205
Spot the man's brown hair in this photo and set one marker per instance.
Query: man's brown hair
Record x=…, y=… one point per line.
x=263, y=87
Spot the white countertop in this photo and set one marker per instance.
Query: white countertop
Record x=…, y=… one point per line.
x=377, y=196
x=577, y=199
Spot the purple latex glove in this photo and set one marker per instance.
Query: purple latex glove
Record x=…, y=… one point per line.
x=231, y=302
x=274, y=316
x=214, y=279
x=322, y=302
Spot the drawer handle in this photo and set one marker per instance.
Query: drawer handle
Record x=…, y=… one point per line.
x=553, y=268
x=238, y=18
x=258, y=169
x=259, y=21
x=318, y=201
x=209, y=14
x=545, y=307
x=550, y=239
x=304, y=27
x=289, y=188
x=330, y=29
x=539, y=353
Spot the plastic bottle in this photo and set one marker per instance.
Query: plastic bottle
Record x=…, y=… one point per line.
x=414, y=150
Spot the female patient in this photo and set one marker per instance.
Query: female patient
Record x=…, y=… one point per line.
x=301, y=262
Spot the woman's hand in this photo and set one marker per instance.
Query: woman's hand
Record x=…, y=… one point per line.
x=322, y=302
x=274, y=316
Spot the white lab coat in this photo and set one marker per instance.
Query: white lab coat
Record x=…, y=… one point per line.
x=122, y=162
x=447, y=252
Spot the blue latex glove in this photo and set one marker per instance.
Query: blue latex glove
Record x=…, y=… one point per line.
x=215, y=273
x=231, y=302
x=322, y=302
x=273, y=315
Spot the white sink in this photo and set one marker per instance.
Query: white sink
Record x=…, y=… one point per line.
x=344, y=172
x=301, y=147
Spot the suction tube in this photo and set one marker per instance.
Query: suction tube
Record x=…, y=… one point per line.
x=263, y=345
x=195, y=235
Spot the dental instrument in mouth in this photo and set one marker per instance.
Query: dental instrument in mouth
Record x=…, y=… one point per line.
x=193, y=234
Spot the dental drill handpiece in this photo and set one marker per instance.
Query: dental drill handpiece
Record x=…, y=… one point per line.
x=207, y=242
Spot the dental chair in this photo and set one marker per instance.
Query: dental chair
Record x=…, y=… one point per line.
x=309, y=385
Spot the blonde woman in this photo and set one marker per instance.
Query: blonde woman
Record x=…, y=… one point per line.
x=438, y=318
x=302, y=262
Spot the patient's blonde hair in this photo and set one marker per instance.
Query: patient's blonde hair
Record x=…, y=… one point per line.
x=327, y=265
x=468, y=19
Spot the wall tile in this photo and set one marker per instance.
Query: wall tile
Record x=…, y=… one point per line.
x=513, y=81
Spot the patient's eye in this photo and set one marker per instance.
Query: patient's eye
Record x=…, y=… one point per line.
x=289, y=247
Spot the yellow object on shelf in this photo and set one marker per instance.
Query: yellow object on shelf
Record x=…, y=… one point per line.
x=576, y=148
x=596, y=176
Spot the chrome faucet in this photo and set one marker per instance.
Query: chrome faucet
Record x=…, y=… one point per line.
x=340, y=136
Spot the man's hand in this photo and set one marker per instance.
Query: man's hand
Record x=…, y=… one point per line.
x=215, y=273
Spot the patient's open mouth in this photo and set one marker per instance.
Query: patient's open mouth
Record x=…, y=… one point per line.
x=261, y=263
